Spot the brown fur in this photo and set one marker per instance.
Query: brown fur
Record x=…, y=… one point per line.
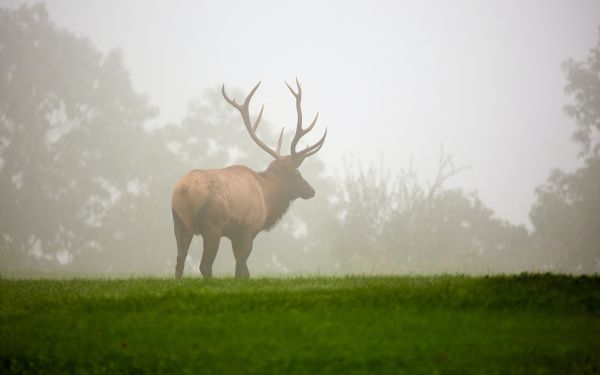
x=234, y=202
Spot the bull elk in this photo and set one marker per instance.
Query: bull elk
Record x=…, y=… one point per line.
x=237, y=202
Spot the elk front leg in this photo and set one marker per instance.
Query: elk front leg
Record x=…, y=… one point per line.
x=211, y=246
x=242, y=247
x=183, y=238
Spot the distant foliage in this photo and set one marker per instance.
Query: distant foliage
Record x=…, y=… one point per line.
x=391, y=222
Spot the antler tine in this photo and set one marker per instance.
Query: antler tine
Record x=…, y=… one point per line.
x=280, y=140
x=296, y=94
x=300, y=132
x=232, y=102
x=311, y=150
x=312, y=124
x=244, y=111
x=251, y=94
x=257, y=121
x=314, y=151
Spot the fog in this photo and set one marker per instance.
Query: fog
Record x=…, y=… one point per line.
x=400, y=86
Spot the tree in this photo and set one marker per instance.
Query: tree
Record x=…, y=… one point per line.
x=566, y=214
x=583, y=84
x=71, y=143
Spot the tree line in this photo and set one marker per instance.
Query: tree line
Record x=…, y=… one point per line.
x=85, y=185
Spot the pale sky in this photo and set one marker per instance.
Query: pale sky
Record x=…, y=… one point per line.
x=389, y=78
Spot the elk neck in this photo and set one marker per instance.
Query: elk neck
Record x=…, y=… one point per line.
x=277, y=199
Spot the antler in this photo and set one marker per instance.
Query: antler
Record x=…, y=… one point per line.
x=300, y=131
x=243, y=108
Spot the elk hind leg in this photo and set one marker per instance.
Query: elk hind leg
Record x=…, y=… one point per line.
x=183, y=238
x=211, y=246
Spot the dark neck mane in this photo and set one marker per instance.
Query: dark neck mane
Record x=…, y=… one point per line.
x=276, y=199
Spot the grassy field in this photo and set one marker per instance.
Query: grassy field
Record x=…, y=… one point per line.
x=444, y=324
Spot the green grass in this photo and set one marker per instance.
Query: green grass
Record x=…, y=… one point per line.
x=445, y=324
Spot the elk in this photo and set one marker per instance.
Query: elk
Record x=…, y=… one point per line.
x=237, y=202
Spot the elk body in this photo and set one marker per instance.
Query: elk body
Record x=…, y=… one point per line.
x=237, y=202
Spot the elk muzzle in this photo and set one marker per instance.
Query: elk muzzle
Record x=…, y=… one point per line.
x=307, y=191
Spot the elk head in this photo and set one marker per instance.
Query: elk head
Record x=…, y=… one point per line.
x=284, y=169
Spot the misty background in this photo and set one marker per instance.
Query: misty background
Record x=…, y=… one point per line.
x=105, y=105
